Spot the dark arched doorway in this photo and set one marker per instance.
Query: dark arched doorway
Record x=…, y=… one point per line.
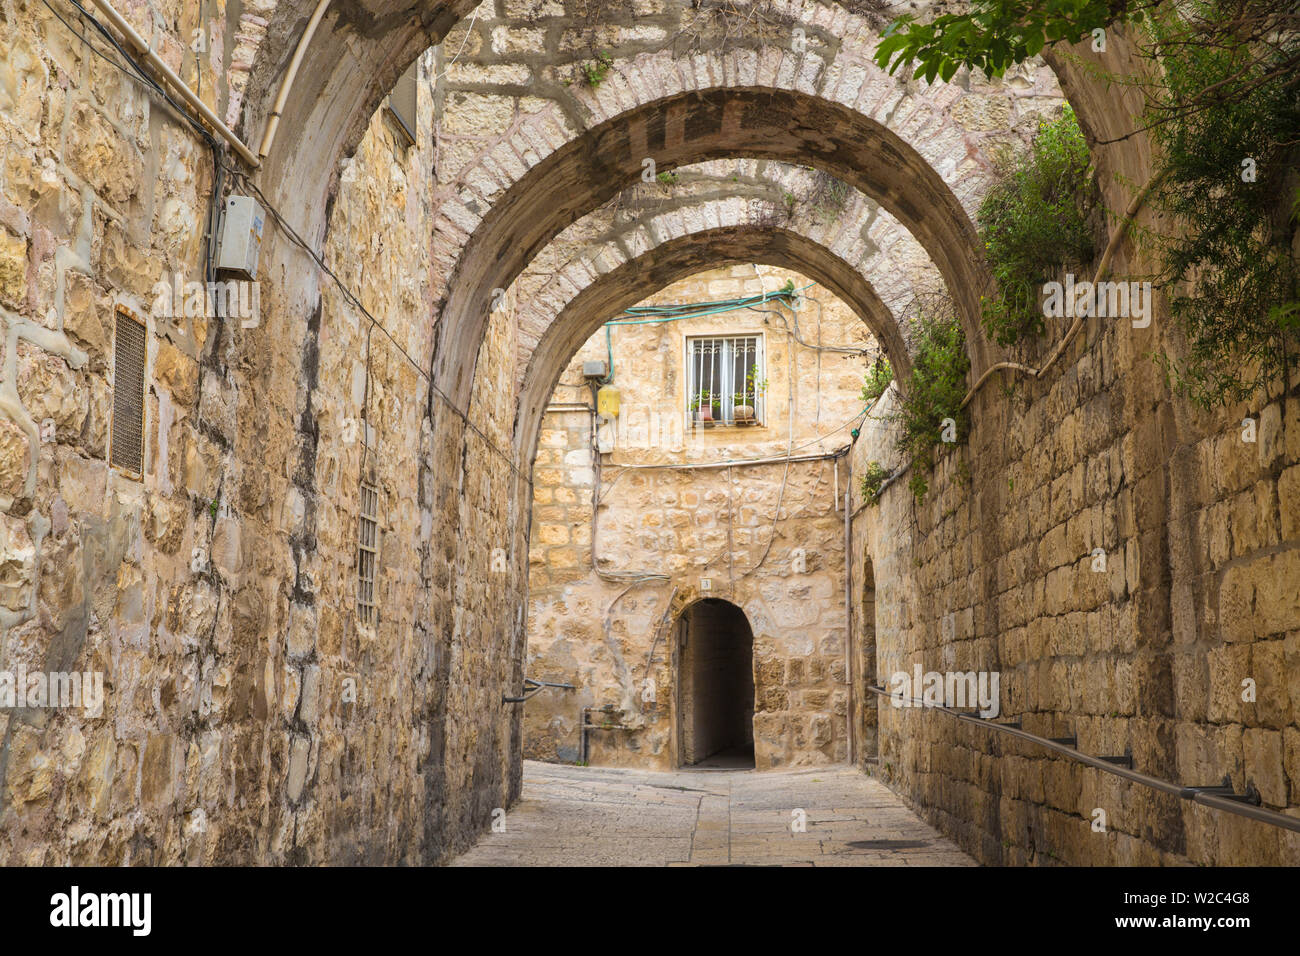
x=716, y=681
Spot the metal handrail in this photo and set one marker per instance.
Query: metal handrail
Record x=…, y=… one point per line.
x=1206, y=796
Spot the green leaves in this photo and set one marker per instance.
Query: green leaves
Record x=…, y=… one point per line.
x=994, y=36
x=1226, y=246
x=934, y=393
x=872, y=480
x=1033, y=222
x=878, y=378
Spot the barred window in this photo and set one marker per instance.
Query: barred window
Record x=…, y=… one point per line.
x=367, y=553
x=724, y=380
x=126, y=446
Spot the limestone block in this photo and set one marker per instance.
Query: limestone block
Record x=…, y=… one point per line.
x=13, y=269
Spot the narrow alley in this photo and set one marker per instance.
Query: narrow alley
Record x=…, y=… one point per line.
x=598, y=816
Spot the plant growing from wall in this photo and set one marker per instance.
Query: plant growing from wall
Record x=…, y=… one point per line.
x=1229, y=261
x=877, y=380
x=1033, y=222
x=1223, y=115
x=594, y=73
x=872, y=479
x=667, y=178
x=930, y=412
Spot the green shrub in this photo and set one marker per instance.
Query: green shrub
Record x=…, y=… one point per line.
x=1229, y=264
x=877, y=379
x=1226, y=93
x=872, y=480
x=934, y=393
x=1033, y=222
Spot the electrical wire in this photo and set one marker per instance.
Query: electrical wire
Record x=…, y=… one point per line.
x=654, y=314
x=270, y=207
x=356, y=303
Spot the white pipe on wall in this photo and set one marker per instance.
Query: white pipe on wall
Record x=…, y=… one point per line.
x=273, y=124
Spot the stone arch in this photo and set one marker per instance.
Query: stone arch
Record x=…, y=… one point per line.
x=361, y=49
x=578, y=174
x=342, y=81
x=673, y=259
x=867, y=238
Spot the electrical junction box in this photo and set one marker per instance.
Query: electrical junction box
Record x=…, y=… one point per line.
x=239, y=242
x=607, y=402
x=596, y=369
x=605, y=438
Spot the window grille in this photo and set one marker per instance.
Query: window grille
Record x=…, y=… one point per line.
x=367, y=553
x=126, y=449
x=725, y=381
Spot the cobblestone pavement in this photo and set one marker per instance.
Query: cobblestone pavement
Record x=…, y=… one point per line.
x=585, y=816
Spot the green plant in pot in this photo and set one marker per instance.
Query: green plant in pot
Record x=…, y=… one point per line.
x=746, y=401
x=702, y=406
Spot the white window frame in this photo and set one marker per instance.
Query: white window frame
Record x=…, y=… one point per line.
x=726, y=373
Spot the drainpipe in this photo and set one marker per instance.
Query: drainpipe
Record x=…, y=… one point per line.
x=282, y=97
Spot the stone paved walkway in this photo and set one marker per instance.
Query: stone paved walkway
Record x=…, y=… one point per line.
x=585, y=816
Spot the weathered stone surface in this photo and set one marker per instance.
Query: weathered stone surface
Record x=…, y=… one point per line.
x=690, y=524
x=102, y=193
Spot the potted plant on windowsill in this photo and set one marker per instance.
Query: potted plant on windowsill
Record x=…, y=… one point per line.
x=745, y=402
x=702, y=406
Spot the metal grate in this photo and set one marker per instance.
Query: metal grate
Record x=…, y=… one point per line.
x=367, y=553
x=724, y=373
x=127, y=446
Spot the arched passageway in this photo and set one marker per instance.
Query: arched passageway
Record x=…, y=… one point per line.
x=716, y=668
x=215, y=582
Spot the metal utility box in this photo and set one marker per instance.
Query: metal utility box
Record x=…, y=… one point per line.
x=595, y=369
x=607, y=402
x=239, y=241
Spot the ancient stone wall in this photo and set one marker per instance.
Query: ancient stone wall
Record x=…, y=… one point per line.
x=250, y=717
x=1138, y=649
x=767, y=537
x=250, y=713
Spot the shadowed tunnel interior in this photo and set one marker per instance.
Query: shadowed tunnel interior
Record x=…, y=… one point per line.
x=717, y=668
